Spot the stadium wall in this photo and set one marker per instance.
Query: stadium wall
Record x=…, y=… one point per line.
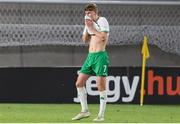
x=42, y=34
x=58, y=56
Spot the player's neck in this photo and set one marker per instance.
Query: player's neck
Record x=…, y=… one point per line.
x=97, y=17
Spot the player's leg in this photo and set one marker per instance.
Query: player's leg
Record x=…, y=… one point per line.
x=80, y=85
x=82, y=94
x=101, y=70
x=101, y=84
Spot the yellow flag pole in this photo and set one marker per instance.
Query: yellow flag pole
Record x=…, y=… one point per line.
x=142, y=80
x=145, y=52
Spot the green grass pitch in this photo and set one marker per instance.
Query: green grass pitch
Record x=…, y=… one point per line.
x=62, y=113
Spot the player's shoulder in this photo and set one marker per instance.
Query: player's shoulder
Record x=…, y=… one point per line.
x=101, y=18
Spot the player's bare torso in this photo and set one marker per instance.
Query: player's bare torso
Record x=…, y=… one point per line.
x=97, y=44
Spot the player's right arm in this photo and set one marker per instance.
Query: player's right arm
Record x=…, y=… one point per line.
x=86, y=37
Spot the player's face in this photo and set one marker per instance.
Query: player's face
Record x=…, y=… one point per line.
x=91, y=14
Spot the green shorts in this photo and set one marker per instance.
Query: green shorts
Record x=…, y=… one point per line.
x=96, y=64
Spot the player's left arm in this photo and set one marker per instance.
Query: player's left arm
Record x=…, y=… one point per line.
x=102, y=35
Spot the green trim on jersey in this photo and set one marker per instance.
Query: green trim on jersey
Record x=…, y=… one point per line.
x=105, y=31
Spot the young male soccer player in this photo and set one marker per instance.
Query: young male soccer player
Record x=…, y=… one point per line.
x=96, y=32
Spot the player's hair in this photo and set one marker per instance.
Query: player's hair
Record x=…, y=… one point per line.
x=91, y=7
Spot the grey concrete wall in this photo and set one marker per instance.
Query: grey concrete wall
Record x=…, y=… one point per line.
x=53, y=56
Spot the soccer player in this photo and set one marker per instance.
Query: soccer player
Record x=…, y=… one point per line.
x=96, y=33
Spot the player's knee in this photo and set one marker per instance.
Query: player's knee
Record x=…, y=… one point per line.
x=98, y=85
x=79, y=84
x=101, y=87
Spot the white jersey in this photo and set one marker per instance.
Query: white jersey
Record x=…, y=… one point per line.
x=101, y=25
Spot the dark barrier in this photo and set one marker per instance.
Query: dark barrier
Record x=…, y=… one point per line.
x=57, y=85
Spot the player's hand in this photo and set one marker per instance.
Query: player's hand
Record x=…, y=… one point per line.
x=89, y=23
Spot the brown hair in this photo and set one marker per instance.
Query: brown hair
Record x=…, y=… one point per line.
x=91, y=7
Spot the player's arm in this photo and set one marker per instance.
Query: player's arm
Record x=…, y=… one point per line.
x=86, y=37
x=102, y=35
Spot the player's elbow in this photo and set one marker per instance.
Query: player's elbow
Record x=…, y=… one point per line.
x=86, y=38
x=83, y=39
x=103, y=38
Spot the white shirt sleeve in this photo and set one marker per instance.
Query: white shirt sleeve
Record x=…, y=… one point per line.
x=104, y=25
